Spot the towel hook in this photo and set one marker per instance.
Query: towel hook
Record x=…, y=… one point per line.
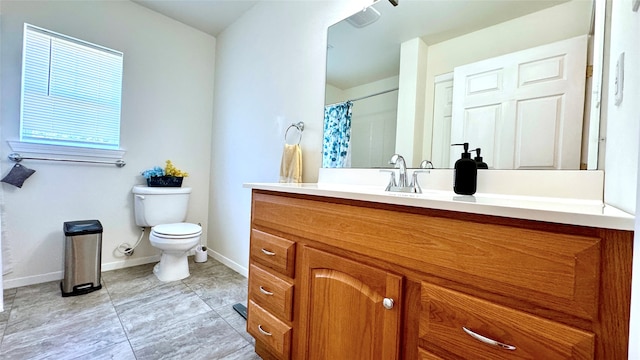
x=299, y=126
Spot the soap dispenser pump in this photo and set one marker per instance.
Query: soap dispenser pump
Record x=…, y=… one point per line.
x=465, y=176
x=478, y=159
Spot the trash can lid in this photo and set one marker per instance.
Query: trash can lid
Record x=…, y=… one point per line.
x=82, y=227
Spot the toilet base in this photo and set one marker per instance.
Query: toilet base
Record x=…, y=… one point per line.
x=172, y=267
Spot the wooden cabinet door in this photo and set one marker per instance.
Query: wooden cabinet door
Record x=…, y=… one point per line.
x=348, y=310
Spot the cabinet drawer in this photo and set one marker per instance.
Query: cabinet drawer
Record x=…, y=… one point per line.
x=446, y=313
x=273, y=251
x=271, y=292
x=270, y=331
x=557, y=271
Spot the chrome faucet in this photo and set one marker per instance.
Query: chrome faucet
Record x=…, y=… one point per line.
x=398, y=161
x=403, y=184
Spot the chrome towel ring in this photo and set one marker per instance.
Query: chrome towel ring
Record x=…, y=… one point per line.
x=298, y=126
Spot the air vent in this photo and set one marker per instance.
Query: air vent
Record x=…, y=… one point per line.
x=363, y=18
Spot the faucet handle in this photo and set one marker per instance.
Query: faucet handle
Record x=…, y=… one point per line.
x=392, y=179
x=426, y=164
x=414, y=180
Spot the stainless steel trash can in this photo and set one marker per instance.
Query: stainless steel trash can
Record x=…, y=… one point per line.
x=82, y=257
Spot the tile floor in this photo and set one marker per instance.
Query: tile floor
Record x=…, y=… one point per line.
x=133, y=316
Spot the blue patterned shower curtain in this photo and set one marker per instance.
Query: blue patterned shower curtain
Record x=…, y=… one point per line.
x=336, y=147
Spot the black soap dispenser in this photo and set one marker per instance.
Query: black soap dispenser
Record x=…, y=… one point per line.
x=478, y=159
x=465, y=178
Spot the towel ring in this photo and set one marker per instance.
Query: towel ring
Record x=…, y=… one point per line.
x=300, y=127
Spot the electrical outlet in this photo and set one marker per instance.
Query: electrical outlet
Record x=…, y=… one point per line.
x=619, y=79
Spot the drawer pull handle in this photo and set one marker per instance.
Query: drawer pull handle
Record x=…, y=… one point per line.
x=267, y=252
x=266, y=292
x=486, y=340
x=262, y=331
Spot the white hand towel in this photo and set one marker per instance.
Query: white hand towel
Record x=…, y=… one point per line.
x=291, y=166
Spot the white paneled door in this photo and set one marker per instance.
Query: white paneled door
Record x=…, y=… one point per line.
x=524, y=109
x=442, y=107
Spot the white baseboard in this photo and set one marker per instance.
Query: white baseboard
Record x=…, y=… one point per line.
x=58, y=275
x=31, y=280
x=229, y=263
x=121, y=264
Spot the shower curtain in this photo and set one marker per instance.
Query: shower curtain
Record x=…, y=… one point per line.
x=336, y=147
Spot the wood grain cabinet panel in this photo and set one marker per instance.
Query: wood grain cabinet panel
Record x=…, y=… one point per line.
x=269, y=330
x=558, y=271
x=351, y=310
x=271, y=292
x=426, y=355
x=553, y=270
x=477, y=329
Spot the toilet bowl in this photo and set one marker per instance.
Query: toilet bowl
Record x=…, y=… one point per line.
x=174, y=240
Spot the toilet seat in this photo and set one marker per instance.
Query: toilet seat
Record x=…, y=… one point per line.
x=176, y=230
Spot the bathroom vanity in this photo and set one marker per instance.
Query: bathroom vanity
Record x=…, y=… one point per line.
x=341, y=274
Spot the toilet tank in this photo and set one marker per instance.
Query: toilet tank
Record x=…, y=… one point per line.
x=160, y=205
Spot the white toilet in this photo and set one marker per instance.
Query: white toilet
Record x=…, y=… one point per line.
x=165, y=209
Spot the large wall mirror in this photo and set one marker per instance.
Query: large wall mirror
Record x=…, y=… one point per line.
x=509, y=77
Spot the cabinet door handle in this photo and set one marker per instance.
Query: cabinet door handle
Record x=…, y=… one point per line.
x=262, y=331
x=388, y=303
x=486, y=340
x=267, y=252
x=262, y=290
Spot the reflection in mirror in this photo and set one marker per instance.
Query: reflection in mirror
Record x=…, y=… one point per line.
x=405, y=71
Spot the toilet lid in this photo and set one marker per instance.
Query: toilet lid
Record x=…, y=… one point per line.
x=177, y=229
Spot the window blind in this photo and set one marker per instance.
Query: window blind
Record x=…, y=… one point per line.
x=71, y=91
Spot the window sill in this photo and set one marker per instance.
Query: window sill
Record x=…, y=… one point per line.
x=65, y=153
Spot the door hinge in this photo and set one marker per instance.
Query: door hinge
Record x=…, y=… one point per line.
x=589, y=71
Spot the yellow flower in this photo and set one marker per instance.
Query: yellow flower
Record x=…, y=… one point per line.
x=171, y=170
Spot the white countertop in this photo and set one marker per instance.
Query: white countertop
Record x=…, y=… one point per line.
x=592, y=213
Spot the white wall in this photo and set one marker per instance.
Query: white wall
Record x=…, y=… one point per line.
x=623, y=121
x=411, y=102
x=270, y=72
x=166, y=114
x=333, y=95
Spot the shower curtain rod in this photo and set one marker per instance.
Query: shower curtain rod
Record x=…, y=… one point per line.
x=376, y=94
x=367, y=96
